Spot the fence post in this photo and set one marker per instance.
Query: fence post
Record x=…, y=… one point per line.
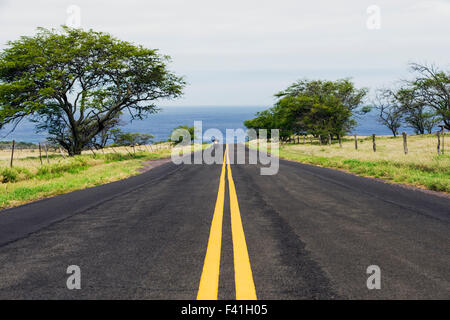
x=320, y=140
x=92, y=151
x=46, y=154
x=60, y=150
x=329, y=139
x=126, y=149
x=340, y=141
x=443, y=143
x=439, y=143
x=374, y=144
x=405, y=142
x=12, y=153
x=356, y=142
x=40, y=153
x=304, y=138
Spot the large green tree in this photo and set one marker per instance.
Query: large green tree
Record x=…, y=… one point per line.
x=316, y=107
x=73, y=83
x=343, y=90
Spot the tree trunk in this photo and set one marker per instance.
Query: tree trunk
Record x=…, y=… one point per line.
x=74, y=150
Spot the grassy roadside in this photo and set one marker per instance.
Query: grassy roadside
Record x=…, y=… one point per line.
x=421, y=167
x=28, y=180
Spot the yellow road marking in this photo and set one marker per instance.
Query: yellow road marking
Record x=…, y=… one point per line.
x=209, y=281
x=243, y=278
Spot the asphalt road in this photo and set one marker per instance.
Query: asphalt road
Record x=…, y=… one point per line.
x=308, y=233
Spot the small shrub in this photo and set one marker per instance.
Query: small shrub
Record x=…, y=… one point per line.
x=114, y=157
x=58, y=169
x=15, y=174
x=9, y=175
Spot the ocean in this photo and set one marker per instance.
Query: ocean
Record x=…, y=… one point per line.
x=160, y=125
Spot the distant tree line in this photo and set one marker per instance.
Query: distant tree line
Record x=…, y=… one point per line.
x=180, y=132
x=18, y=144
x=330, y=108
x=116, y=137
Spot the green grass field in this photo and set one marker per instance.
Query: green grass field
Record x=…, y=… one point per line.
x=28, y=180
x=421, y=167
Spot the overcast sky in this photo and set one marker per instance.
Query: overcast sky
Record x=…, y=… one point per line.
x=242, y=52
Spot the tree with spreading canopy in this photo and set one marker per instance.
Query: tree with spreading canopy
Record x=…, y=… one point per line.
x=417, y=115
x=74, y=83
x=389, y=111
x=430, y=89
x=316, y=107
x=421, y=103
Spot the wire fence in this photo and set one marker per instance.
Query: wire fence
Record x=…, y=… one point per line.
x=46, y=153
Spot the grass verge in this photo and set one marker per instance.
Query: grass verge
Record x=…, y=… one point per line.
x=28, y=180
x=421, y=167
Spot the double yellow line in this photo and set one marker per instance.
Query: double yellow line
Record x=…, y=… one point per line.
x=209, y=281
